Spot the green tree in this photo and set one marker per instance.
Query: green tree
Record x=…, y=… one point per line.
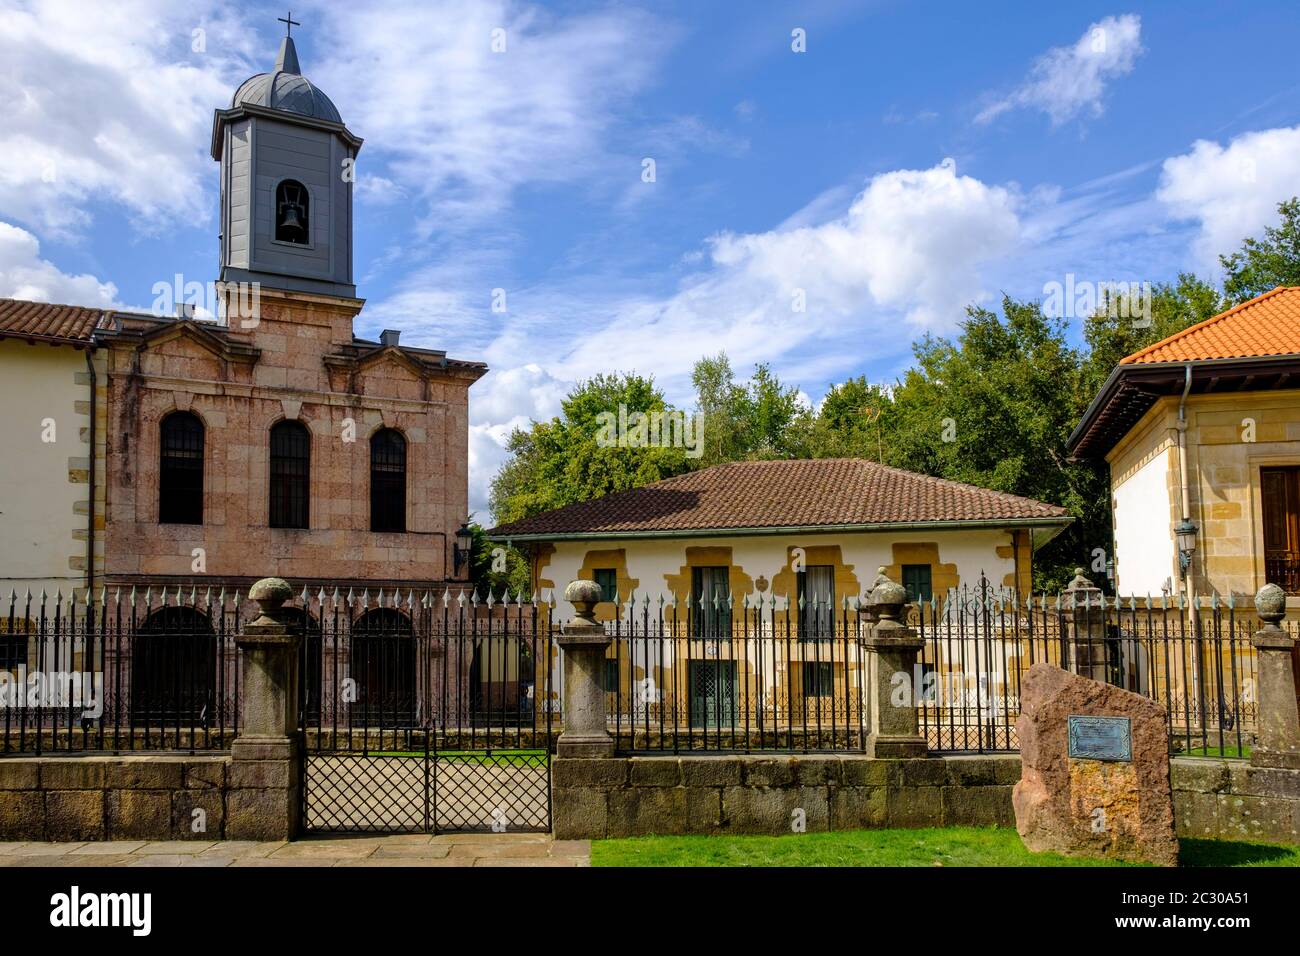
x=1264, y=264
x=849, y=423
x=761, y=419
x=557, y=463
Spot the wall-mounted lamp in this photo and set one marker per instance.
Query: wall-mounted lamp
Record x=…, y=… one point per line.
x=1185, y=532
x=461, y=549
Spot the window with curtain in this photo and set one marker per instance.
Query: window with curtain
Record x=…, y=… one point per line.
x=710, y=588
x=290, y=474
x=387, y=481
x=817, y=589
x=180, y=470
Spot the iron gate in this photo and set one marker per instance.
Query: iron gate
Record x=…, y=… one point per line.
x=426, y=714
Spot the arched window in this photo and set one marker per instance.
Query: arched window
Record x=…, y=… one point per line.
x=180, y=471
x=290, y=471
x=292, y=211
x=387, y=481
x=383, y=666
x=174, y=669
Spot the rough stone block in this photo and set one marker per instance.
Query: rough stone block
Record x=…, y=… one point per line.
x=768, y=771
x=1272, y=782
x=188, y=825
x=143, y=773
x=579, y=814
x=914, y=807
x=1197, y=814
x=711, y=771
x=771, y=809
x=924, y=772
x=259, y=774
x=855, y=808
x=703, y=810
x=1258, y=818
x=1199, y=775
x=646, y=811
x=817, y=771
x=977, y=807
x=74, y=815
x=655, y=771
x=261, y=814
x=1006, y=769
x=971, y=771
x=574, y=772
x=139, y=814
x=19, y=774
x=204, y=774
x=866, y=772
x=72, y=773
x=22, y=815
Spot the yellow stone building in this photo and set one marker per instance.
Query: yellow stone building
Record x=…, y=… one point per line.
x=1201, y=432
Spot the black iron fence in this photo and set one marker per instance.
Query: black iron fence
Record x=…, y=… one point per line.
x=140, y=669
x=405, y=671
x=721, y=675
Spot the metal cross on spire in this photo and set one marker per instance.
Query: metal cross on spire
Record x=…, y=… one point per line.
x=289, y=23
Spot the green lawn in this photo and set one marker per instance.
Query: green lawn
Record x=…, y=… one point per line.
x=1229, y=752
x=955, y=846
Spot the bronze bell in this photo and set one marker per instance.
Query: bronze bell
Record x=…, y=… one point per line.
x=291, y=228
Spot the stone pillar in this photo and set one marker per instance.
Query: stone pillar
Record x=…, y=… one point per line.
x=891, y=648
x=1277, y=736
x=1085, y=628
x=264, y=800
x=584, y=642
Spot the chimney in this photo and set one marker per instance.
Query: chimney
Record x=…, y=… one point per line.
x=389, y=337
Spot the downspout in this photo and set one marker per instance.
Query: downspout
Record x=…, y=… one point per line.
x=90, y=510
x=1192, y=610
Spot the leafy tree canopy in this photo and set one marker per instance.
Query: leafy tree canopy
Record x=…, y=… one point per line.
x=1268, y=262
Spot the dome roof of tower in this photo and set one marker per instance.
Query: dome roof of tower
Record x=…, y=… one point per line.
x=285, y=88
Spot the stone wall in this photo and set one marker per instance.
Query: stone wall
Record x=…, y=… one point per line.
x=669, y=795
x=135, y=797
x=1232, y=800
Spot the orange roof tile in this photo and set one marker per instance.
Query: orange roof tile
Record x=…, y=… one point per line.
x=1268, y=324
x=801, y=493
x=48, y=322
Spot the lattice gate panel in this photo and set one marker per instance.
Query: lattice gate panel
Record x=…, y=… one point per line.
x=362, y=793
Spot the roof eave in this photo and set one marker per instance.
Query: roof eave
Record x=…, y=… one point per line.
x=1059, y=524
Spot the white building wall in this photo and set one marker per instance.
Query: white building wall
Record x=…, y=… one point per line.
x=42, y=509
x=652, y=561
x=1145, y=550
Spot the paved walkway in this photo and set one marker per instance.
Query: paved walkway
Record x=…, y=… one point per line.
x=466, y=849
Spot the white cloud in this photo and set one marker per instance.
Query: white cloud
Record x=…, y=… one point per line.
x=110, y=101
x=462, y=127
x=500, y=403
x=25, y=275
x=1231, y=191
x=1067, y=81
x=905, y=254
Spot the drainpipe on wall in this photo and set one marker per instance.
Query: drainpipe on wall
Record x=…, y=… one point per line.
x=1182, y=466
x=90, y=510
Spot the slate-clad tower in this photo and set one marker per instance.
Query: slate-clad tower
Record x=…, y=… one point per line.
x=286, y=184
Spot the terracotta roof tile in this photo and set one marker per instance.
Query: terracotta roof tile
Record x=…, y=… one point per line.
x=826, y=492
x=1268, y=324
x=43, y=320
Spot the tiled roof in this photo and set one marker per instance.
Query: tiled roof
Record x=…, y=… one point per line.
x=42, y=320
x=1268, y=324
x=826, y=492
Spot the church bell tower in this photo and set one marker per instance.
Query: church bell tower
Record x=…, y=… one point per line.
x=287, y=163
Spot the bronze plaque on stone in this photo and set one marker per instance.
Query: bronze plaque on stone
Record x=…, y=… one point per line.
x=1101, y=738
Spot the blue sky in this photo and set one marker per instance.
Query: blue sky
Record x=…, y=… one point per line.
x=915, y=158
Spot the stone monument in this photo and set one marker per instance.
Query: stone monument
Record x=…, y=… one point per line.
x=1094, y=777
